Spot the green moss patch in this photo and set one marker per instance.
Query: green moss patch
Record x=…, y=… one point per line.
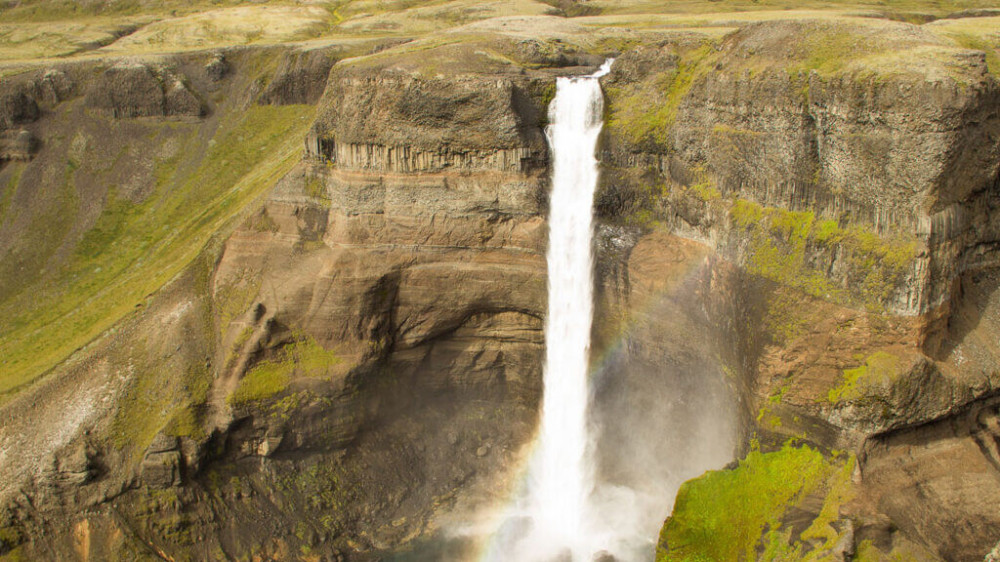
x=816, y=542
x=782, y=245
x=879, y=369
x=724, y=515
x=264, y=380
x=267, y=378
x=643, y=113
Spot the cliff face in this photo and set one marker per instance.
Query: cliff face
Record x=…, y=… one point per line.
x=326, y=378
x=334, y=349
x=855, y=193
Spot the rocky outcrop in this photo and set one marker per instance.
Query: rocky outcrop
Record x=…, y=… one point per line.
x=129, y=90
x=300, y=78
x=396, y=122
x=161, y=465
x=22, y=102
x=920, y=467
x=18, y=144
x=16, y=108
x=216, y=68
x=842, y=145
x=846, y=344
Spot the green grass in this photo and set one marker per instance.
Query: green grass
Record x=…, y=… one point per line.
x=173, y=404
x=144, y=407
x=973, y=33
x=208, y=28
x=60, y=10
x=22, y=265
x=134, y=249
x=264, y=380
x=970, y=41
x=723, y=514
x=897, y=8
x=828, y=50
x=8, y=193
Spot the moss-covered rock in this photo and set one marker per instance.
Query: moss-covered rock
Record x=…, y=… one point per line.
x=745, y=513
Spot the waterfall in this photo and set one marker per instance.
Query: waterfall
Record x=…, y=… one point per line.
x=562, y=480
x=555, y=514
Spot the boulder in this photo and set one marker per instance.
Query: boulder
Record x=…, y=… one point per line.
x=217, y=68
x=17, y=144
x=161, y=466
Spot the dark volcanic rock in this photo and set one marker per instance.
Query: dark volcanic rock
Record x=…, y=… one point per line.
x=161, y=466
x=136, y=90
x=17, y=107
x=216, y=68
x=17, y=144
x=300, y=78
x=383, y=120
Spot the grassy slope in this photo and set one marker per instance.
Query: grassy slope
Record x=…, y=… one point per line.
x=134, y=248
x=35, y=29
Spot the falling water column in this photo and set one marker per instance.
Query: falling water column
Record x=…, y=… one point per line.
x=561, y=476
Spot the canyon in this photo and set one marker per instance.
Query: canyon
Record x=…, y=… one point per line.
x=287, y=300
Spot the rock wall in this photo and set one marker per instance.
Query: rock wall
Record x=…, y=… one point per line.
x=850, y=193
x=903, y=152
x=370, y=317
